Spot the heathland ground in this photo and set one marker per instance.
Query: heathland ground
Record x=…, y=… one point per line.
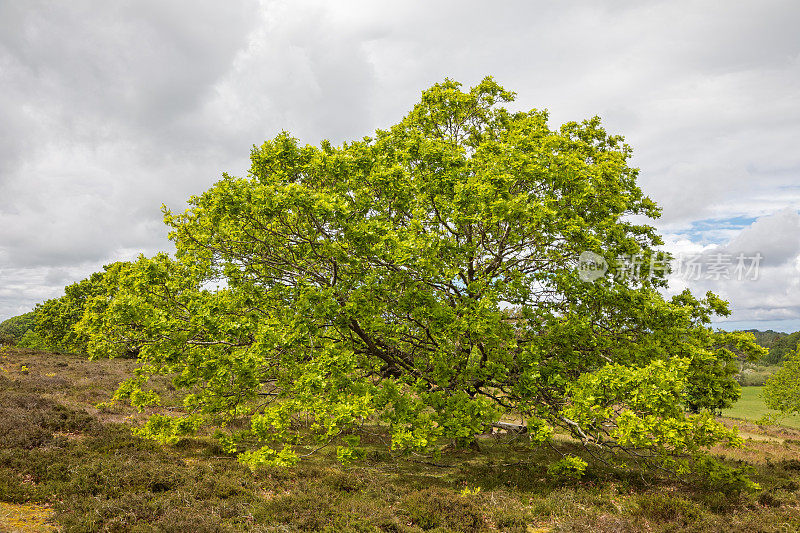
x=66, y=465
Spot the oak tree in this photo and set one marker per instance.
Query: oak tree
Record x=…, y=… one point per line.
x=426, y=278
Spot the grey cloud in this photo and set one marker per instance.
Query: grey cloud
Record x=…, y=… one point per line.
x=109, y=109
x=771, y=290
x=706, y=93
x=147, y=61
x=114, y=109
x=776, y=237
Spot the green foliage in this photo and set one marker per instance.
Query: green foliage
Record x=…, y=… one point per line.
x=568, y=468
x=782, y=390
x=780, y=345
x=168, y=429
x=267, y=456
x=723, y=477
x=55, y=318
x=13, y=329
x=425, y=278
x=52, y=324
x=32, y=340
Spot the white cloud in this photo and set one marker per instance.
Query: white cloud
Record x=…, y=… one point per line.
x=776, y=237
x=768, y=292
x=110, y=109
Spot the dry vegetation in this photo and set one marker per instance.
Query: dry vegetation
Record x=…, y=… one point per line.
x=65, y=465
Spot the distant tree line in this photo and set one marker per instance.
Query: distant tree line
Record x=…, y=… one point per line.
x=13, y=329
x=780, y=345
x=51, y=324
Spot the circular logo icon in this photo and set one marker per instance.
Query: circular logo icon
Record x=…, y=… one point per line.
x=591, y=266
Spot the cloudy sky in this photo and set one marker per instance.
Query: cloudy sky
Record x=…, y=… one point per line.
x=109, y=109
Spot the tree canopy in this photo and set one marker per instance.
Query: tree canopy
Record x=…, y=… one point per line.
x=782, y=390
x=425, y=279
x=52, y=324
x=781, y=346
x=13, y=329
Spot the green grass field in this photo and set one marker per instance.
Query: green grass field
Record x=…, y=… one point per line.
x=751, y=407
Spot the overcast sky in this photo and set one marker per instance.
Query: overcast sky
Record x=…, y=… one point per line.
x=109, y=109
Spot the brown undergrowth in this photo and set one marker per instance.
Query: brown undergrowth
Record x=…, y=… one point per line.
x=73, y=468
